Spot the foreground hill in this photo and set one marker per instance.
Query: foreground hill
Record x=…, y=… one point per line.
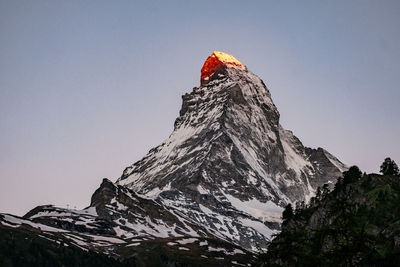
x=357, y=224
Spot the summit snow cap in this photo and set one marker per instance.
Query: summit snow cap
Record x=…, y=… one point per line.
x=216, y=62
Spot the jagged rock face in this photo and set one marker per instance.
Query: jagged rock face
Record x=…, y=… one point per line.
x=225, y=173
x=228, y=137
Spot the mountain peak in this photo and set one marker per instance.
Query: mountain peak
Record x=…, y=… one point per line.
x=225, y=173
x=216, y=62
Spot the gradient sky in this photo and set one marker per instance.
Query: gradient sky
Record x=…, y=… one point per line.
x=88, y=87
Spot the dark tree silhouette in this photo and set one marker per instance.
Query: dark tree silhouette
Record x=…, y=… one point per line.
x=352, y=175
x=288, y=212
x=389, y=167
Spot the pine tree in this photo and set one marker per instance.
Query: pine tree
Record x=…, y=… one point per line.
x=287, y=213
x=389, y=167
x=352, y=175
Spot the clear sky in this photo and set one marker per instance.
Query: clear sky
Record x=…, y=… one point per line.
x=88, y=87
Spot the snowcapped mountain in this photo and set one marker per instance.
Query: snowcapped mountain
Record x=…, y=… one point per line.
x=223, y=176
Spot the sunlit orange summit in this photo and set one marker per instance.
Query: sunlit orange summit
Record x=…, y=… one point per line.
x=215, y=62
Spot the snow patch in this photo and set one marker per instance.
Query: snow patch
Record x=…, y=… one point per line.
x=267, y=211
x=187, y=241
